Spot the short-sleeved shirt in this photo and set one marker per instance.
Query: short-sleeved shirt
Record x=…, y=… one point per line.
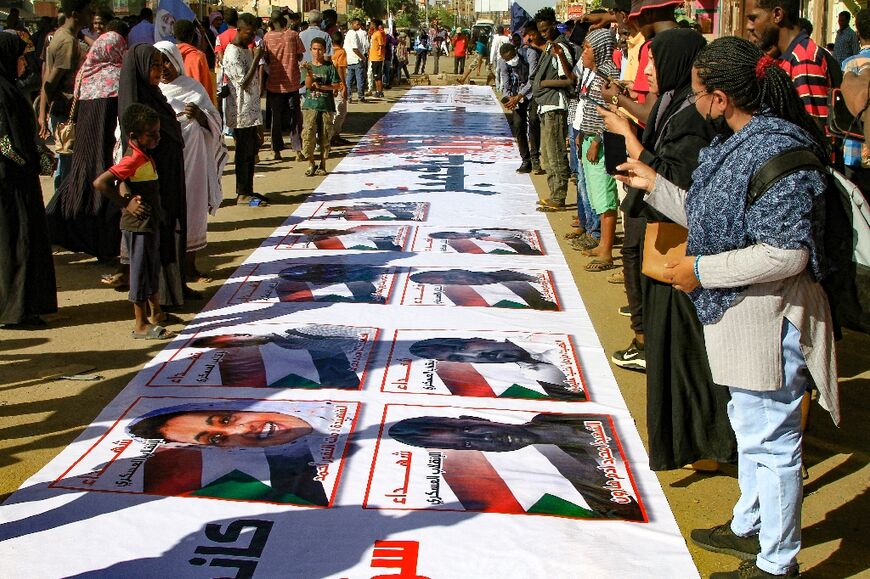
x=339, y=57
x=641, y=82
x=282, y=51
x=377, y=52
x=321, y=100
x=241, y=107
x=310, y=33
x=354, y=39
x=63, y=53
x=138, y=171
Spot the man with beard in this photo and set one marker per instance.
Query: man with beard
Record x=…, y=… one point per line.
x=773, y=26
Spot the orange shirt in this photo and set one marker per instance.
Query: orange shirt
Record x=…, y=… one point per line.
x=378, y=50
x=196, y=67
x=339, y=57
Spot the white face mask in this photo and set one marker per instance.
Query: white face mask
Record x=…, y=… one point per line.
x=514, y=61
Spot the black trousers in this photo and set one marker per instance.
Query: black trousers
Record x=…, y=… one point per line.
x=520, y=126
x=420, y=64
x=459, y=65
x=534, y=132
x=285, y=112
x=246, y=154
x=632, y=256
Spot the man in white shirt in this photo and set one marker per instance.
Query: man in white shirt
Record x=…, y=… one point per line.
x=495, y=58
x=142, y=33
x=355, y=46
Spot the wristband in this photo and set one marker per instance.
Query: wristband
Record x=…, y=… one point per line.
x=697, y=273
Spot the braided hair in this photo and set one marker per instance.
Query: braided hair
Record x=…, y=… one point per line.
x=754, y=82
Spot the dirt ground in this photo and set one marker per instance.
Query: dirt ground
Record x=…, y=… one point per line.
x=41, y=414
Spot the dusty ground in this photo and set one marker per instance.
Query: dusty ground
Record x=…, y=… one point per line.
x=40, y=414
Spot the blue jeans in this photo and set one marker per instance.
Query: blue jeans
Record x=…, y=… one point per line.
x=356, y=72
x=64, y=162
x=587, y=218
x=768, y=430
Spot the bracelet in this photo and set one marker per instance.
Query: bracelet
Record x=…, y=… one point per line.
x=697, y=273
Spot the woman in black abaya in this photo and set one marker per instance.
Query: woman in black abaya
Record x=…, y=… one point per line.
x=139, y=85
x=687, y=419
x=27, y=283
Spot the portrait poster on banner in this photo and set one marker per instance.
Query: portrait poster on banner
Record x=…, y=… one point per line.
x=275, y=451
x=306, y=356
x=387, y=211
x=285, y=281
x=502, y=461
x=491, y=288
x=491, y=364
x=360, y=237
x=482, y=240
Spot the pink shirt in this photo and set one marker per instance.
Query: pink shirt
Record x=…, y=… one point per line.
x=282, y=53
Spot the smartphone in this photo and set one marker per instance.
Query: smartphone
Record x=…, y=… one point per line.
x=585, y=97
x=615, y=153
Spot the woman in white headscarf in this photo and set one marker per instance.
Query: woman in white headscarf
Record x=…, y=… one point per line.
x=205, y=153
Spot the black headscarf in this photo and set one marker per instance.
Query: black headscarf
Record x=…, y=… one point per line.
x=135, y=88
x=16, y=114
x=673, y=53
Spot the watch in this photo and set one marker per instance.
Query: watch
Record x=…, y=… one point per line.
x=615, y=99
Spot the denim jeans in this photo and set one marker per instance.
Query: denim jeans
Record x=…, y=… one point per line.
x=356, y=73
x=573, y=159
x=64, y=162
x=768, y=430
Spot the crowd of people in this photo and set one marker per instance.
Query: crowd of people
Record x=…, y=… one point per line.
x=652, y=124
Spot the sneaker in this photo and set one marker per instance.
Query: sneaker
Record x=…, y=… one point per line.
x=632, y=358
x=625, y=311
x=721, y=539
x=525, y=168
x=749, y=570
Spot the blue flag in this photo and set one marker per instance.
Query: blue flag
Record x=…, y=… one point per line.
x=168, y=12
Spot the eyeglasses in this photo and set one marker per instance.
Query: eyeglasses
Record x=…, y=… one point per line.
x=693, y=98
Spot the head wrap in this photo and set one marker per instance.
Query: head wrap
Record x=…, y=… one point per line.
x=213, y=16
x=602, y=43
x=135, y=88
x=16, y=114
x=100, y=73
x=673, y=53
x=170, y=51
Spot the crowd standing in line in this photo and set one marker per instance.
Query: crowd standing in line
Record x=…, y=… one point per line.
x=640, y=112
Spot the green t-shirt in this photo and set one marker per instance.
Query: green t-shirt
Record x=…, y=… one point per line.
x=317, y=100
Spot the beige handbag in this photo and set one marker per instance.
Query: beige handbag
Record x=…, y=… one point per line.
x=663, y=243
x=65, y=133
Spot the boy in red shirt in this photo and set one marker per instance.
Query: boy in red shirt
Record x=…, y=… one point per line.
x=133, y=183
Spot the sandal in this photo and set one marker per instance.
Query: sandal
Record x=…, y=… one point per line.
x=599, y=265
x=547, y=206
x=320, y=172
x=153, y=333
x=310, y=171
x=117, y=279
x=617, y=278
x=575, y=234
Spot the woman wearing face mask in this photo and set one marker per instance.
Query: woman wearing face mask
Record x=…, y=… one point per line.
x=752, y=274
x=686, y=418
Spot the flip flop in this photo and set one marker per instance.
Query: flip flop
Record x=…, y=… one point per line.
x=153, y=333
x=598, y=265
x=575, y=234
x=320, y=172
x=115, y=280
x=257, y=202
x=310, y=171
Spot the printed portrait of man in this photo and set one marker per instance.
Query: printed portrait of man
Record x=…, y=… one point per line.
x=332, y=283
x=360, y=238
x=295, y=358
x=504, y=288
x=508, y=368
x=557, y=444
x=493, y=240
x=254, y=451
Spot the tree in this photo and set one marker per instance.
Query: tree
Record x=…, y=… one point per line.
x=446, y=17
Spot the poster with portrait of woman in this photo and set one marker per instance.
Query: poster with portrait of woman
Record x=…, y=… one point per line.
x=502, y=461
x=288, y=282
x=478, y=241
x=271, y=355
x=490, y=364
x=487, y=288
x=275, y=451
x=342, y=238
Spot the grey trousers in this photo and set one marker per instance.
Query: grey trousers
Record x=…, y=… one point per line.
x=554, y=131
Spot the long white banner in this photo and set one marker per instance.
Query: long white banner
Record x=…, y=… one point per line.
x=402, y=381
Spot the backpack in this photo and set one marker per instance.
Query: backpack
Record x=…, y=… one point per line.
x=846, y=246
